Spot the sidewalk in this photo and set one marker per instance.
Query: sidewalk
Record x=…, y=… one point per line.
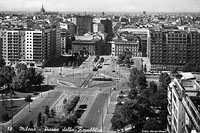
x=109, y=115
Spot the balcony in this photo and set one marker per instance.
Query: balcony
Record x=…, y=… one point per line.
x=169, y=94
x=192, y=112
x=169, y=128
x=169, y=109
x=169, y=119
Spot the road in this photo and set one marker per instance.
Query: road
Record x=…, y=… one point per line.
x=96, y=99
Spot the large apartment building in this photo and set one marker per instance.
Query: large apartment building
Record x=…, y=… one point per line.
x=11, y=46
x=83, y=24
x=1, y=47
x=31, y=47
x=63, y=41
x=51, y=43
x=173, y=48
x=184, y=105
x=21, y=46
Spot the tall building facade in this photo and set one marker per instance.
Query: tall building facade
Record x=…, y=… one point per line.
x=58, y=42
x=184, y=105
x=32, y=47
x=51, y=43
x=63, y=41
x=11, y=46
x=83, y=24
x=173, y=48
x=107, y=26
x=97, y=27
x=1, y=42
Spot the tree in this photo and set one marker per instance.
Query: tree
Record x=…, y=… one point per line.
x=28, y=98
x=20, y=67
x=150, y=91
x=141, y=82
x=125, y=57
x=130, y=113
x=2, y=62
x=19, y=81
x=46, y=110
x=70, y=122
x=174, y=71
x=39, y=79
x=159, y=99
x=153, y=87
x=31, y=124
x=145, y=68
x=30, y=75
x=132, y=93
x=52, y=113
x=8, y=74
x=152, y=124
x=133, y=76
x=39, y=120
x=164, y=80
x=118, y=122
x=102, y=59
x=163, y=118
x=191, y=67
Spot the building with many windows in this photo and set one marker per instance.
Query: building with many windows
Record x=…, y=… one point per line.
x=83, y=24
x=89, y=44
x=11, y=46
x=184, y=105
x=33, y=47
x=173, y=48
x=142, y=34
x=1, y=47
x=51, y=43
x=119, y=46
x=63, y=41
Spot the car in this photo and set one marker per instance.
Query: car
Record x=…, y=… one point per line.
x=95, y=69
x=113, y=70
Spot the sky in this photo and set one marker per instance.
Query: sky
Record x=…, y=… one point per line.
x=102, y=5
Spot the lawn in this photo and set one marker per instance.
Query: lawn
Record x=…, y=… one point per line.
x=8, y=108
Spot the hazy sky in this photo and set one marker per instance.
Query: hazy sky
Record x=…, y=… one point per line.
x=102, y=5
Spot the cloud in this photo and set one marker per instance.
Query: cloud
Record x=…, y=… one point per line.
x=102, y=5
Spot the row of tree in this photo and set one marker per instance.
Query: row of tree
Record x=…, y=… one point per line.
x=143, y=99
x=21, y=78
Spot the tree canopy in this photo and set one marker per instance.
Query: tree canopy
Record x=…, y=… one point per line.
x=191, y=67
x=164, y=80
x=2, y=62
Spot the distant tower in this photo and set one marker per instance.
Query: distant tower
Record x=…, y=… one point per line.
x=144, y=13
x=103, y=13
x=42, y=9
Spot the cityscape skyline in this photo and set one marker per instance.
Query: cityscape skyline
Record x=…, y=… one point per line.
x=103, y=5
